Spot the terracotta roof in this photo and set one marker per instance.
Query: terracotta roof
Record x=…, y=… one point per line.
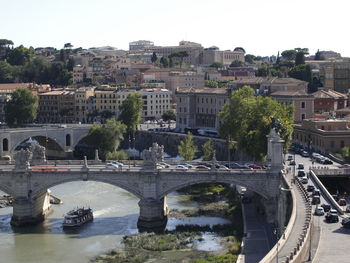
x=202, y=90
x=327, y=94
x=14, y=86
x=291, y=93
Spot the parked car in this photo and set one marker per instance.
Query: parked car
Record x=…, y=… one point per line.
x=165, y=165
x=181, y=167
x=254, y=166
x=223, y=168
x=304, y=154
x=301, y=166
x=233, y=165
x=327, y=161
x=316, y=192
x=301, y=173
x=342, y=202
x=289, y=158
x=319, y=211
x=326, y=207
x=292, y=162
x=346, y=222
x=189, y=166
x=332, y=216
x=112, y=165
x=304, y=180
x=310, y=188
x=118, y=163
x=315, y=200
x=202, y=168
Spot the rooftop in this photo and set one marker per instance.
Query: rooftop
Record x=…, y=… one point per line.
x=202, y=90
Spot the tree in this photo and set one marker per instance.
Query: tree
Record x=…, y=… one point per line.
x=187, y=149
x=302, y=72
x=131, y=110
x=208, y=150
x=289, y=54
x=117, y=155
x=216, y=65
x=249, y=58
x=236, y=63
x=70, y=64
x=20, y=55
x=154, y=57
x=67, y=46
x=107, y=137
x=278, y=59
x=164, y=62
x=5, y=72
x=169, y=115
x=179, y=54
x=263, y=70
x=246, y=118
x=5, y=48
x=318, y=55
x=300, y=58
x=21, y=108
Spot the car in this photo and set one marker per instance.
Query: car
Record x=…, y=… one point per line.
x=254, y=166
x=345, y=166
x=301, y=173
x=181, y=167
x=319, y=211
x=301, y=166
x=332, y=216
x=292, y=162
x=327, y=161
x=347, y=209
x=342, y=202
x=326, y=207
x=310, y=188
x=304, y=154
x=165, y=165
x=289, y=158
x=189, y=166
x=316, y=192
x=223, y=168
x=233, y=165
x=304, y=180
x=118, y=163
x=112, y=165
x=315, y=200
x=206, y=164
x=202, y=168
x=335, y=197
x=346, y=222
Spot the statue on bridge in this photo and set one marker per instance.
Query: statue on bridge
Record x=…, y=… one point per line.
x=276, y=125
x=38, y=152
x=22, y=159
x=151, y=156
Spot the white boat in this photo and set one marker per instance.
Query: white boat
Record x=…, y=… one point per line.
x=78, y=217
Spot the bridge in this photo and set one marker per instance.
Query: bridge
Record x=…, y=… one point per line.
x=29, y=185
x=60, y=139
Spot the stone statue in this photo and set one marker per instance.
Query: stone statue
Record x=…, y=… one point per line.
x=159, y=150
x=276, y=124
x=38, y=152
x=22, y=159
x=149, y=159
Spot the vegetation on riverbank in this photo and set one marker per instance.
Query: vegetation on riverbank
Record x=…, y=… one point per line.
x=179, y=245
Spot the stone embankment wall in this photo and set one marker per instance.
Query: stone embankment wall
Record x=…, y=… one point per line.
x=144, y=140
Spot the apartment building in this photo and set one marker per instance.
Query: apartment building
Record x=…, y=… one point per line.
x=140, y=45
x=336, y=75
x=78, y=74
x=325, y=135
x=56, y=106
x=225, y=57
x=198, y=108
x=82, y=95
x=329, y=100
x=303, y=103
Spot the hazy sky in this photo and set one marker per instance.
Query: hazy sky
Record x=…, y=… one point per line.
x=262, y=27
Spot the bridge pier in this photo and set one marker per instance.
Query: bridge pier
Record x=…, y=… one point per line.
x=30, y=211
x=153, y=215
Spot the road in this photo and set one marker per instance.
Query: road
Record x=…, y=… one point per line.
x=334, y=240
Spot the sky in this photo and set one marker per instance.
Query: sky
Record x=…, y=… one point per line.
x=261, y=27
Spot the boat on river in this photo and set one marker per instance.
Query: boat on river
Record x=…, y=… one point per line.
x=77, y=217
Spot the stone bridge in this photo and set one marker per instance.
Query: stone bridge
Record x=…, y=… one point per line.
x=64, y=137
x=29, y=185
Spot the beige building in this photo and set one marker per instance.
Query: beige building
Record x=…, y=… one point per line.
x=336, y=75
x=303, y=103
x=78, y=74
x=225, y=57
x=198, y=108
x=325, y=135
x=82, y=95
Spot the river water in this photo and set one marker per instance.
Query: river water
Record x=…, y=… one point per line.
x=115, y=215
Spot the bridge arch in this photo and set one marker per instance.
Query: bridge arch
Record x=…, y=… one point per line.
x=6, y=190
x=43, y=187
x=47, y=142
x=250, y=186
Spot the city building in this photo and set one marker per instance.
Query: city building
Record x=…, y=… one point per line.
x=336, y=75
x=329, y=101
x=303, y=103
x=56, y=106
x=324, y=135
x=140, y=45
x=82, y=95
x=198, y=108
x=225, y=57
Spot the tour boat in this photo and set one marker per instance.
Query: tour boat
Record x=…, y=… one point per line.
x=78, y=217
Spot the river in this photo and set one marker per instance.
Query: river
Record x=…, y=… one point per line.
x=115, y=215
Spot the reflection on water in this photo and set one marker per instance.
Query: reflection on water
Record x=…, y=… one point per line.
x=115, y=215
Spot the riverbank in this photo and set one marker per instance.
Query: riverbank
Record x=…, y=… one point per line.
x=187, y=242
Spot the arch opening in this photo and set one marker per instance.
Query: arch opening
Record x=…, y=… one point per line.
x=68, y=140
x=5, y=145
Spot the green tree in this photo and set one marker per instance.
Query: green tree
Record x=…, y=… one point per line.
x=107, y=137
x=246, y=119
x=208, y=150
x=154, y=57
x=169, y=115
x=21, y=108
x=187, y=149
x=300, y=58
x=6, y=72
x=236, y=63
x=216, y=65
x=131, y=111
x=20, y=55
x=263, y=70
x=117, y=155
x=164, y=62
x=289, y=54
x=179, y=54
x=318, y=55
x=211, y=84
x=249, y=58
x=5, y=48
x=302, y=72
x=70, y=64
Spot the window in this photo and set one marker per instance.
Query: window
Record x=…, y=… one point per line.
x=303, y=116
x=303, y=105
x=5, y=145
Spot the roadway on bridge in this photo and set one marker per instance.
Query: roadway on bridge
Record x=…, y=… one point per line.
x=334, y=240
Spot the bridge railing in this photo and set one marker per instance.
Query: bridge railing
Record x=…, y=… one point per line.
x=327, y=171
